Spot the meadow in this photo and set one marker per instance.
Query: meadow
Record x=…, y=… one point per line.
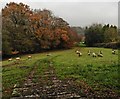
x=99, y=73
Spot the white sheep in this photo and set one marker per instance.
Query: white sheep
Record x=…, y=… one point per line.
x=17, y=58
x=29, y=57
x=113, y=51
x=49, y=54
x=80, y=54
x=100, y=55
x=10, y=59
x=89, y=52
x=77, y=52
x=94, y=54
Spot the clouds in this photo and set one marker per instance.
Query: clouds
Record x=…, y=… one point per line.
x=62, y=0
x=81, y=13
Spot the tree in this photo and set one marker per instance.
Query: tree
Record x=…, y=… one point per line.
x=27, y=30
x=16, y=23
x=6, y=45
x=50, y=31
x=94, y=34
x=110, y=34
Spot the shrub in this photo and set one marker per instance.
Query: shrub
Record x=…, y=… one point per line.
x=114, y=45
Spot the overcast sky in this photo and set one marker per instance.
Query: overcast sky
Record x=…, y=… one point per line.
x=79, y=13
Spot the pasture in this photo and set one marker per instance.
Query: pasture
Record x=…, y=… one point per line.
x=96, y=75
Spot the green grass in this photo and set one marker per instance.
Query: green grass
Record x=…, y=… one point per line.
x=100, y=71
x=41, y=65
x=14, y=72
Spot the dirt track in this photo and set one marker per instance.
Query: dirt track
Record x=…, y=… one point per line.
x=49, y=86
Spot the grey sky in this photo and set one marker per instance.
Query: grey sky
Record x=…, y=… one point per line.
x=81, y=13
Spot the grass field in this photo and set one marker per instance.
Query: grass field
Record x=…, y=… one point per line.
x=99, y=73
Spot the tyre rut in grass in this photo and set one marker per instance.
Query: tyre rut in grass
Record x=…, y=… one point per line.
x=47, y=86
x=43, y=83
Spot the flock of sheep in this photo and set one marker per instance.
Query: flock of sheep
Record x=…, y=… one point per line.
x=29, y=57
x=18, y=58
x=93, y=54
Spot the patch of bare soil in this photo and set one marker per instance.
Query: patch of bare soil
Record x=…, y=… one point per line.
x=50, y=86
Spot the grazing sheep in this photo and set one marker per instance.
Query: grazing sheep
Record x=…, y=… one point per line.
x=89, y=52
x=100, y=55
x=113, y=51
x=49, y=54
x=10, y=59
x=79, y=54
x=101, y=52
x=94, y=54
x=29, y=57
x=17, y=58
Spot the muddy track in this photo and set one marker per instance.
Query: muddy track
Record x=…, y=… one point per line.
x=49, y=86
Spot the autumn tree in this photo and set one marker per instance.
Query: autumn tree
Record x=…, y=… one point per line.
x=15, y=23
x=40, y=26
x=50, y=31
x=27, y=30
x=74, y=35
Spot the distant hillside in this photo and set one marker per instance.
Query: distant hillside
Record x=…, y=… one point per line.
x=79, y=30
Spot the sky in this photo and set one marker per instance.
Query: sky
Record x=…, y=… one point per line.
x=78, y=13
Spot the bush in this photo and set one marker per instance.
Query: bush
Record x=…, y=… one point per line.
x=113, y=45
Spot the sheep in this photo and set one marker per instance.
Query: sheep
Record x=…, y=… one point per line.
x=29, y=57
x=79, y=53
x=18, y=58
x=94, y=54
x=10, y=59
x=100, y=55
x=113, y=51
x=49, y=54
x=89, y=52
